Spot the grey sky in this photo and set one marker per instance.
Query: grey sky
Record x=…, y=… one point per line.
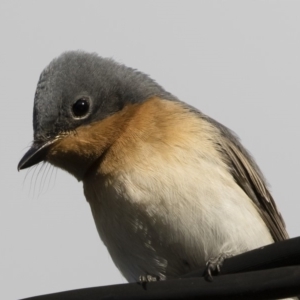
x=237, y=61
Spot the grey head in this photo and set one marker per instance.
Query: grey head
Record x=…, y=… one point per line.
x=78, y=88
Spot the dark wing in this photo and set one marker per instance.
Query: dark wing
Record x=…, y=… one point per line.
x=249, y=177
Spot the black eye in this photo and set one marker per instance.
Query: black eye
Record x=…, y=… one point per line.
x=81, y=107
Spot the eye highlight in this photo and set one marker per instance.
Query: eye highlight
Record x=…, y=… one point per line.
x=81, y=107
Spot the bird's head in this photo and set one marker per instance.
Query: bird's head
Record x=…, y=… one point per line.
x=78, y=107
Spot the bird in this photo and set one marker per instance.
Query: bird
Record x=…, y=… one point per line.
x=169, y=187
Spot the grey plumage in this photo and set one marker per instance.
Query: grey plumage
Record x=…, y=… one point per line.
x=74, y=74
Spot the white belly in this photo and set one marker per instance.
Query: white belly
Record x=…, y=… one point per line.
x=168, y=221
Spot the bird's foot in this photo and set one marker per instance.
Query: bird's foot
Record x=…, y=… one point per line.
x=213, y=265
x=148, y=278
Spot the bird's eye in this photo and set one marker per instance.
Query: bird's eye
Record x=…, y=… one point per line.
x=81, y=107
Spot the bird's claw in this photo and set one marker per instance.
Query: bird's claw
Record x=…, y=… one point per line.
x=148, y=278
x=213, y=265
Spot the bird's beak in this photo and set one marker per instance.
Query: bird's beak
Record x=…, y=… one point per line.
x=34, y=155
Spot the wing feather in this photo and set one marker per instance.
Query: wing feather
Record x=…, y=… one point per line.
x=249, y=177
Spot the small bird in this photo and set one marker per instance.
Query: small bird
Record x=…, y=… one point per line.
x=169, y=187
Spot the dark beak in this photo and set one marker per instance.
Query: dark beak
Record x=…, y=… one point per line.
x=34, y=155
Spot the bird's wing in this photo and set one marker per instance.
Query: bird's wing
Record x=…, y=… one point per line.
x=249, y=177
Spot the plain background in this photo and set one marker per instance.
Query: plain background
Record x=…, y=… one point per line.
x=237, y=61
